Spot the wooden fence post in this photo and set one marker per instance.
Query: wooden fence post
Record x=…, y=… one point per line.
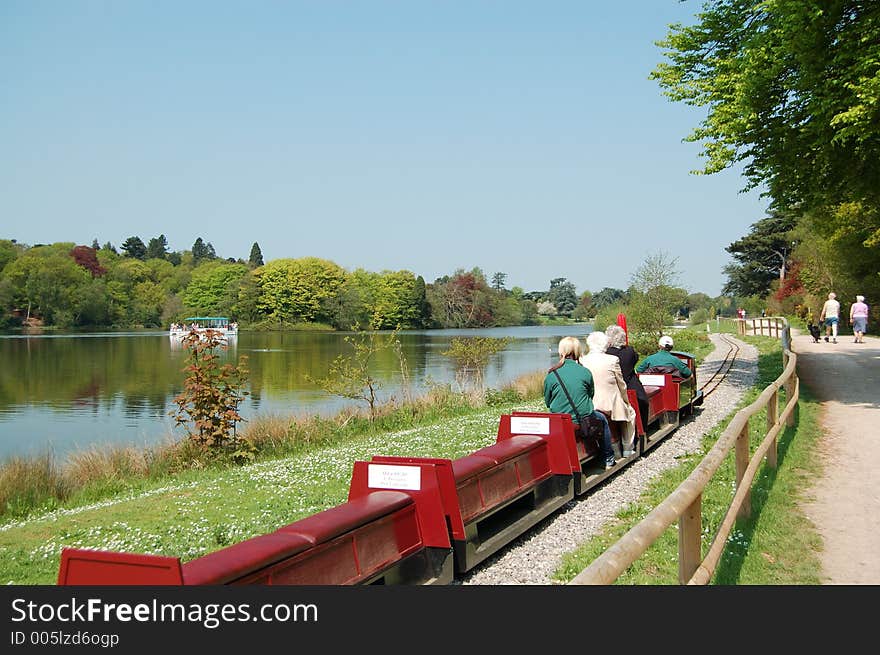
x=690, y=529
x=742, y=463
x=772, y=418
x=791, y=390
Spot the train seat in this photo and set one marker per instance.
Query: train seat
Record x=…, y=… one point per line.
x=374, y=539
x=238, y=561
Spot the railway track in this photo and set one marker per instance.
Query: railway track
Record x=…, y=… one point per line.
x=723, y=368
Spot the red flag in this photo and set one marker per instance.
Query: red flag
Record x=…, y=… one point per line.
x=621, y=321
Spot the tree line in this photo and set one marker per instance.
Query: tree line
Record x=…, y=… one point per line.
x=148, y=285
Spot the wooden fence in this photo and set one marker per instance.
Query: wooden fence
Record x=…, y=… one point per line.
x=770, y=327
x=685, y=503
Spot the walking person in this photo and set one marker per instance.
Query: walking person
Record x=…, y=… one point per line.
x=858, y=318
x=830, y=315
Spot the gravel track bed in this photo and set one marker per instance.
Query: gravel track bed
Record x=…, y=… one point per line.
x=532, y=558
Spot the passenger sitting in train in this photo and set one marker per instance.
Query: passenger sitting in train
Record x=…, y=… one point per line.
x=628, y=357
x=568, y=388
x=664, y=361
x=610, y=390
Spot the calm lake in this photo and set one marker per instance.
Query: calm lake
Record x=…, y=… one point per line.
x=68, y=392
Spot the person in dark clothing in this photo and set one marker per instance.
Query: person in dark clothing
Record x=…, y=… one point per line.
x=628, y=358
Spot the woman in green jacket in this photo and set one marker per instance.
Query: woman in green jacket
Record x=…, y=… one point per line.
x=568, y=375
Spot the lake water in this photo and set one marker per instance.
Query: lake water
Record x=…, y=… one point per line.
x=73, y=391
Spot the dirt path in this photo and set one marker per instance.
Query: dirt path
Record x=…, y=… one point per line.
x=845, y=377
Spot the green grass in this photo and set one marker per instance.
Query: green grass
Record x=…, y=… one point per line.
x=777, y=545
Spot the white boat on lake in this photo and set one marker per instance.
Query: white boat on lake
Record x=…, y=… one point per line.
x=220, y=324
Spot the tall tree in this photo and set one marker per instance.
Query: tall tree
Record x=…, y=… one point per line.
x=608, y=296
x=762, y=256
x=563, y=295
x=202, y=251
x=256, y=258
x=157, y=248
x=498, y=281
x=134, y=248
x=654, y=298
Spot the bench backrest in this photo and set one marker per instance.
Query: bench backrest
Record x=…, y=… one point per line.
x=556, y=429
x=346, y=544
x=473, y=485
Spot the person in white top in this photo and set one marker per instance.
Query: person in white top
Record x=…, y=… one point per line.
x=830, y=316
x=858, y=318
x=610, y=396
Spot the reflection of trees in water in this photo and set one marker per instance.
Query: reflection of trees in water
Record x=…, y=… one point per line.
x=126, y=383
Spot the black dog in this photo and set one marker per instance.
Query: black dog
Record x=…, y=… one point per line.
x=814, y=330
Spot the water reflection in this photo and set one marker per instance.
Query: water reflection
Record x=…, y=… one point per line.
x=71, y=391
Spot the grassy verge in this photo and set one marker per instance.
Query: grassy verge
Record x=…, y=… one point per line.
x=777, y=545
x=36, y=484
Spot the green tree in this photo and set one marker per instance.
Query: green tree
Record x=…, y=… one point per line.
x=608, y=296
x=157, y=248
x=296, y=290
x=246, y=307
x=420, y=300
x=134, y=248
x=9, y=251
x=46, y=282
x=498, y=281
x=563, y=295
x=584, y=309
x=352, y=304
x=395, y=301
x=654, y=298
x=214, y=287
x=792, y=90
x=202, y=251
x=761, y=256
x=256, y=257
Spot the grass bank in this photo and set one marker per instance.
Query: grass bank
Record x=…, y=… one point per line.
x=29, y=484
x=777, y=545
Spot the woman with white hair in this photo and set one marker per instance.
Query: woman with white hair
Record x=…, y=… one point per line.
x=568, y=388
x=610, y=394
x=830, y=315
x=858, y=318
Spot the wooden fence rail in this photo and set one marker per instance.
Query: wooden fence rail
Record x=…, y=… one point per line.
x=685, y=503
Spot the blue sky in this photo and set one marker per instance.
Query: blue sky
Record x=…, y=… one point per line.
x=521, y=137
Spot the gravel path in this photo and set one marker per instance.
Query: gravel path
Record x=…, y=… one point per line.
x=532, y=558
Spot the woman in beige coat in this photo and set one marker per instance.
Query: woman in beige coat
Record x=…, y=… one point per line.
x=610, y=389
